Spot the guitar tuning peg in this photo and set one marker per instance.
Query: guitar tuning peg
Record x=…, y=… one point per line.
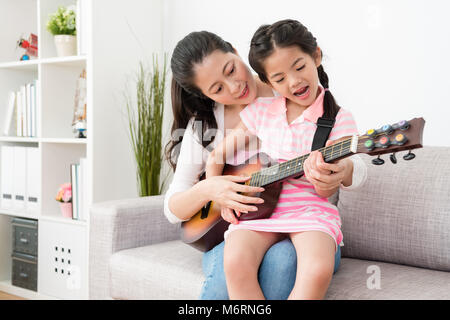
x=409, y=156
x=393, y=158
x=378, y=161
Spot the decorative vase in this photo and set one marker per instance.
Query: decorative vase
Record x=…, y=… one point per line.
x=66, y=209
x=66, y=45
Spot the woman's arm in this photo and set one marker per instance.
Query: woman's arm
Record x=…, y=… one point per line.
x=178, y=204
x=187, y=195
x=234, y=142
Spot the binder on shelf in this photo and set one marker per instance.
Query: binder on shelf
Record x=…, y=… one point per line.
x=9, y=113
x=7, y=177
x=33, y=180
x=19, y=177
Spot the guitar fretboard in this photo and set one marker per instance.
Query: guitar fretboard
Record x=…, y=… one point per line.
x=294, y=167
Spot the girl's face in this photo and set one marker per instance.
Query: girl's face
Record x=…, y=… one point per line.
x=293, y=74
x=224, y=78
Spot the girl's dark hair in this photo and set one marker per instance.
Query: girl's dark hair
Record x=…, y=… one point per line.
x=282, y=34
x=187, y=100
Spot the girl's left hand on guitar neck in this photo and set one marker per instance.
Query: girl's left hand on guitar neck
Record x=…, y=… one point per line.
x=327, y=177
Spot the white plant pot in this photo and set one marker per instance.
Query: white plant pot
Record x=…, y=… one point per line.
x=66, y=45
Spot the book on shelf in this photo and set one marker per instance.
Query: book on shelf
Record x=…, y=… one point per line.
x=78, y=178
x=74, y=182
x=9, y=119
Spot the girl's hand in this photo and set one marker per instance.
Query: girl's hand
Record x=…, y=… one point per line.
x=228, y=215
x=326, y=177
x=223, y=190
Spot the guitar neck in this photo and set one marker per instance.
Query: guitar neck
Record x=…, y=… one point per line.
x=294, y=167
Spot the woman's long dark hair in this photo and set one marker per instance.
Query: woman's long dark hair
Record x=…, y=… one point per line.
x=187, y=100
x=282, y=34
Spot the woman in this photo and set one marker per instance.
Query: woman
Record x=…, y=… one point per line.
x=211, y=85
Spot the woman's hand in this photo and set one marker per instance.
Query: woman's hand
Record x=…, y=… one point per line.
x=327, y=177
x=224, y=190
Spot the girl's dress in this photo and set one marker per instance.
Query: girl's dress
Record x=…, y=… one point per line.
x=299, y=207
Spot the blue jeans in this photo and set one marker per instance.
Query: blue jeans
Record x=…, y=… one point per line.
x=276, y=274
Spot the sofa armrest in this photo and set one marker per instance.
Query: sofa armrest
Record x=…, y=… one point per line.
x=123, y=224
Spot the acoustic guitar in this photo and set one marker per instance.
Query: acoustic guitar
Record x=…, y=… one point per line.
x=206, y=228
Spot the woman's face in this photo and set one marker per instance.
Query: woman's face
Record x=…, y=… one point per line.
x=224, y=78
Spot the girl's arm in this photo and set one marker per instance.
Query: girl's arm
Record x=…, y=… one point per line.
x=233, y=142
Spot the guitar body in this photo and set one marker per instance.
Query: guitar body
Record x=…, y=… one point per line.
x=206, y=228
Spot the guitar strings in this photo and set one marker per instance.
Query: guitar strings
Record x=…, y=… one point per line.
x=256, y=177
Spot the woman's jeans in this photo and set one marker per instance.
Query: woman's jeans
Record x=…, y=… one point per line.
x=276, y=274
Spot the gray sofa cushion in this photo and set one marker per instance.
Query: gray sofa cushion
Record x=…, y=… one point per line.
x=396, y=282
x=402, y=213
x=172, y=270
x=169, y=270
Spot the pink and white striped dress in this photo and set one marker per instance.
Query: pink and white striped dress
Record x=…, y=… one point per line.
x=299, y=207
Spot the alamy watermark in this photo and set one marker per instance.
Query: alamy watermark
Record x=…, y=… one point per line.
x=374, y=281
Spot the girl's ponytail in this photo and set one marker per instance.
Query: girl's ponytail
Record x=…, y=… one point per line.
x=330, y=107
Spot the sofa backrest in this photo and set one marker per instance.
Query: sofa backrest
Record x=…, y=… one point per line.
x=401, y=214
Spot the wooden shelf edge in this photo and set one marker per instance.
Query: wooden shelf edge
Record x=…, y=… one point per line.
x=7, y=287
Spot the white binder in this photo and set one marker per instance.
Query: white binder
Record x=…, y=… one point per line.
x=6, y=177
x=33, y=180
x=19, y=177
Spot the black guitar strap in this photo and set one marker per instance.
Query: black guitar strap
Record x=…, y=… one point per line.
x=324, y=127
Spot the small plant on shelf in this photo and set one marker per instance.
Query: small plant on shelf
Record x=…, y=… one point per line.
x=64, y=193
x=62, y=25
x=64, y=196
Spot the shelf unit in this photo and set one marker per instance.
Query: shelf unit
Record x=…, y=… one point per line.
x=112, y=56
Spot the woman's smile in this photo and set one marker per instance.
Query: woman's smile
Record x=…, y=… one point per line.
x=245, y=92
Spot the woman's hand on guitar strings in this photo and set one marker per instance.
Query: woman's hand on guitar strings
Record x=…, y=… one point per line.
x=224, y=190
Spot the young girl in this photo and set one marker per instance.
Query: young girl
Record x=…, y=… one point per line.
x=286, y=56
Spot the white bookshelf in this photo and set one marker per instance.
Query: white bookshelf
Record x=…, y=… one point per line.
x=112, y=56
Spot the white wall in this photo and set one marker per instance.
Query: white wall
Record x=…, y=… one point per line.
x=386, y=60
x=123, y=33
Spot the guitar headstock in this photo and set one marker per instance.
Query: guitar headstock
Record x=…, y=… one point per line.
x=403, y=135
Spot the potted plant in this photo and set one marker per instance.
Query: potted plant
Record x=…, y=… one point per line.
x=64, y=196
x=145, y=120
x=62, y=25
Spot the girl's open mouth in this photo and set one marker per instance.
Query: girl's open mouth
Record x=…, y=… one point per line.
x=302, y=93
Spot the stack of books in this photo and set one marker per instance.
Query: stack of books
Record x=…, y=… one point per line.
x=22, y=111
